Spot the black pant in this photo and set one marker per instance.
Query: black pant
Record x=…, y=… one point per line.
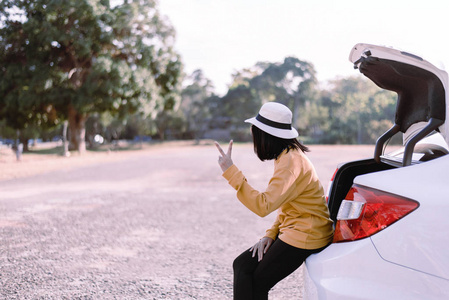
x=253, y=279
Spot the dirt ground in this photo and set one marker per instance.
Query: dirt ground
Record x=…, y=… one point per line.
x=159, y=223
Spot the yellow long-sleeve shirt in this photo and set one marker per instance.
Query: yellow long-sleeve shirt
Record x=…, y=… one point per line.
x=296, y=192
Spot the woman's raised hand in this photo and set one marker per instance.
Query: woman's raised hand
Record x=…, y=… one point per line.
x=225, y=160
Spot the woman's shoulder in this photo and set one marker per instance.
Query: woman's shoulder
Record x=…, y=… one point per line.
x=292, y=157
x=297, y=163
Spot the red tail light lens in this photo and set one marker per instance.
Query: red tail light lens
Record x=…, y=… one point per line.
x=366, y=211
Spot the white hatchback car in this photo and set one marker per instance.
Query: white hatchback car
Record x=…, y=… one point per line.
x=390, y=211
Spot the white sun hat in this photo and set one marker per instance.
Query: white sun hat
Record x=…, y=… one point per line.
x=275, y=119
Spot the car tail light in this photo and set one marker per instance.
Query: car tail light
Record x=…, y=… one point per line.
x=366, y=211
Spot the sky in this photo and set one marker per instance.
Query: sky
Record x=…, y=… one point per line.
x=221, y=37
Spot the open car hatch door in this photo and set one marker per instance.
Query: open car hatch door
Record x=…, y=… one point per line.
x=421, y=87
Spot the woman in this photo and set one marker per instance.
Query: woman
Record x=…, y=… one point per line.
x=302, y=226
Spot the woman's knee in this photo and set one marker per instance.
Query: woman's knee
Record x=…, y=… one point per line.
x=244, y=262
x=239, y=261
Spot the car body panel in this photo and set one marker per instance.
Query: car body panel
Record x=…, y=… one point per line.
x=416, y=240
x=355, y=270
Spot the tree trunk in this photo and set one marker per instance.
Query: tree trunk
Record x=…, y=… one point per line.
x=65, y=143
x=21, y=139
x=24, y=142
x=77, y=127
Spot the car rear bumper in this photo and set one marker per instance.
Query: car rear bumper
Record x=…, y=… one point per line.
x=355, y=270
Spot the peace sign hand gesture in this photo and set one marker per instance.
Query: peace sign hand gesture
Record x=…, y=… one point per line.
x=225, y=160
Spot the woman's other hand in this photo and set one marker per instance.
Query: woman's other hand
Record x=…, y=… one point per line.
x=225, y=160
x=261, y=247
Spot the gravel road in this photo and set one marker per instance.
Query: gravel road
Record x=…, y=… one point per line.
x=160, y=223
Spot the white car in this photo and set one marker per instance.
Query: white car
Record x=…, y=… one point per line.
x=390, y=211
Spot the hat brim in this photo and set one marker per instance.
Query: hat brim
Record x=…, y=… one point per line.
x=280, y=133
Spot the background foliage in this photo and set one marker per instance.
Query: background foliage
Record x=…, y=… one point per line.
x=112, y=71
x=68, y=60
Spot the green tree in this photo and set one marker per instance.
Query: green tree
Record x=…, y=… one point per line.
x=291, y=82
x=78, y=57
x=194, y=104
x=359, y=111
x=238, y=104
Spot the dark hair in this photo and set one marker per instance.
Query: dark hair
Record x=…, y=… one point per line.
x=267, y=146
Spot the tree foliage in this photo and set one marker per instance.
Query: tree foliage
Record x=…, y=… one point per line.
x=358, y=111
x=290, y=82
x=67, y=59
x=349, y=110
x=195, y=104
x=115, y=68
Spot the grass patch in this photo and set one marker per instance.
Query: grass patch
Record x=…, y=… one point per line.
x=58, y=150
x=46, y=151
